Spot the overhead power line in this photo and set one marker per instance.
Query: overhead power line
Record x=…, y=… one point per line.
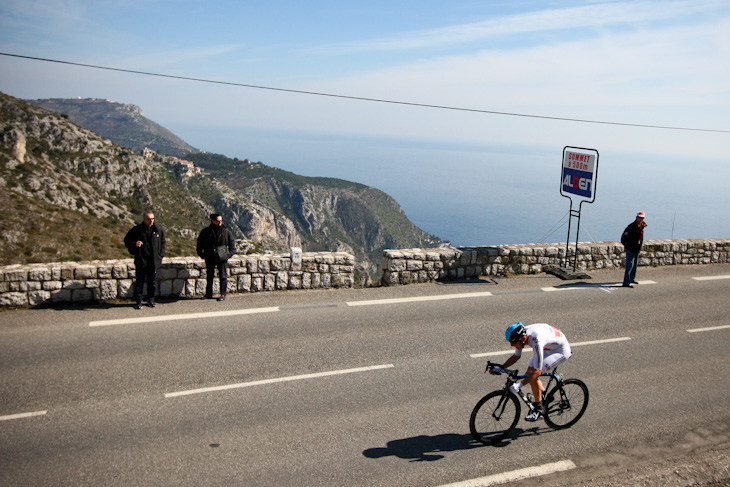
x=362, y=98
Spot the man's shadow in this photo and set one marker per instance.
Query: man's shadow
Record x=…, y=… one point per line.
x=424, y=448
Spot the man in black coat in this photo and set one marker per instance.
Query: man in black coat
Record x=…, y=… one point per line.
x=146, y=242
x=216, y=245
x=632, y=240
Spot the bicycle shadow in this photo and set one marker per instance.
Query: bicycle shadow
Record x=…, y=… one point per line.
x=424, y=448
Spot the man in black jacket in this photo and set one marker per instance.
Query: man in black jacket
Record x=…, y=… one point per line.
x=216, y=245
x=632, y=239
x=146, y=242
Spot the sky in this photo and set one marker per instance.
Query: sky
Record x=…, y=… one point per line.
x=459, y=77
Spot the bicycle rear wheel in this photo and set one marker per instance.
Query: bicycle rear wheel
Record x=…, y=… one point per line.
x=566, y=403
x=494, y=417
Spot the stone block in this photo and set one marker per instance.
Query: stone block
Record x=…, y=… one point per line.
x=257, y=284
x=244, y=283
x=119, y=271
x=125, y=288
x=295, y=282
x=279, y=264
x=16, y=275
x=30, y=286
x=108, y=289
x=81, y=295
x=14, y=299
x=316, y=280
x=36, y=298
x=264, y=266
x=39, y=274
x=306, y=280
x=85, y=272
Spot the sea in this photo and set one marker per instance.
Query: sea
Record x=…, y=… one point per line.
x=472, y=194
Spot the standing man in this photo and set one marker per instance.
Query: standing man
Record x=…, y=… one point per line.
x=632, y=239
x=146, y=242
x=216, y=245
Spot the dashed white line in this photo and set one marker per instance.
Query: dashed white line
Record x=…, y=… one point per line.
x=418, y=299
x=276, y=380
x=22, y=415
x=186, y=316
x=529, y=350
x=523, y=473
x=710, y=278
x=598, y=342
x=710, y=328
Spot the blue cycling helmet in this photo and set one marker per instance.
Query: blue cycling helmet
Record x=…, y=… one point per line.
x=515, y=332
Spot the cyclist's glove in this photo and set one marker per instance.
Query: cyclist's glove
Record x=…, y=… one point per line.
x=516, y=387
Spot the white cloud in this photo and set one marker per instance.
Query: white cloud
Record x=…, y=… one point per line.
x=599, y=15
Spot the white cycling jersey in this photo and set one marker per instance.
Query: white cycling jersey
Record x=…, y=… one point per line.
x=549, y=345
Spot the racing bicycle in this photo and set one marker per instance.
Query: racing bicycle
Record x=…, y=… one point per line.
x=496, y=414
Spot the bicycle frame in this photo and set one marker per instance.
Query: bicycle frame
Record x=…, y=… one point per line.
x=514, y=377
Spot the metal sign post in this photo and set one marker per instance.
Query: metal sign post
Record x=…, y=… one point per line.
x=578, y=180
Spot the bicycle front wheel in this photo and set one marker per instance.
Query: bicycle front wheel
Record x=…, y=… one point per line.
x=566, y=403
x=494, y=417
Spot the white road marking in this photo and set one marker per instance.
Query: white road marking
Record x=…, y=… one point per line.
x=529, y=350
x=710, y=278
x=523, y=473
x=418, y=298
x=186, y=316
x=22, y=415
x=279, y=379
x=711, y=328
x=571, y=288
x=598, y=342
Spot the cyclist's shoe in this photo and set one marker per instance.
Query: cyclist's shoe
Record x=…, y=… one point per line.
x=533, y=416
x=536, y=412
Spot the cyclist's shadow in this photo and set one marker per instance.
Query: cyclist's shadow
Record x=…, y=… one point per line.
x=426, y=448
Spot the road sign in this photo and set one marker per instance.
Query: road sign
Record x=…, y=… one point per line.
x=578, y=180
x=578, y=177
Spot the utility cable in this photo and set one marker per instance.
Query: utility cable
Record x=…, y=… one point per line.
x=361, y=98
x=554, y=228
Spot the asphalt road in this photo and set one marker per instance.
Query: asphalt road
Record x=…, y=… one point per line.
x=357, y=387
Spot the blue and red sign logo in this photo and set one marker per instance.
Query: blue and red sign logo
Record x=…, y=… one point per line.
x=578, y=177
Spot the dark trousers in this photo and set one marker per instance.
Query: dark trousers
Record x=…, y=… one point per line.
x=148, y=275
x=210, y=267
x=632, y=260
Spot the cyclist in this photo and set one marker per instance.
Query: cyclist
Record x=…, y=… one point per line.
x=550, y=348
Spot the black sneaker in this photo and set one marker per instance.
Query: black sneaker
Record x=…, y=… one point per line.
x=138, y=305
x=222, y=297
x=151, y=303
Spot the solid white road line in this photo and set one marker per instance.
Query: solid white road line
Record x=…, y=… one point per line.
x=187, y=316
x=711, y=328
x=529, y=350
x=22, y=415
x=710, y=278
x=418, y=299
x=523, y=473
x=280, y=379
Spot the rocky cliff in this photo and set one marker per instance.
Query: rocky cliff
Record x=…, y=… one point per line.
x=125, y=124
x=70, y=194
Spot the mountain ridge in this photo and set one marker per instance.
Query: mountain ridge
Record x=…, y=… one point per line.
x=57, y=169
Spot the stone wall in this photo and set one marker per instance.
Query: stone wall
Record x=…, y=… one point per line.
x=423, y=265
x=103, y=280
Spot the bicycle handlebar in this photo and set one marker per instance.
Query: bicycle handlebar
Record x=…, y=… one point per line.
x=499, y=370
